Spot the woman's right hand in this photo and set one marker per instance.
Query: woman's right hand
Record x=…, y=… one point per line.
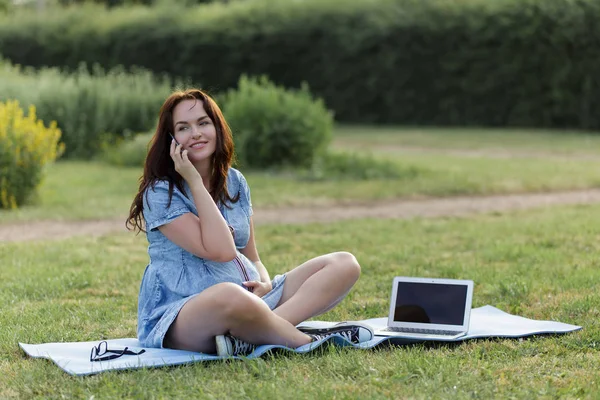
x=183, y=165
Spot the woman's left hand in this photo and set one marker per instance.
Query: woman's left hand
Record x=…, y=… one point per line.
x=259, y=288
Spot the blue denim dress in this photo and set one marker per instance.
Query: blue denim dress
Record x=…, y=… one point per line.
x=174, y=275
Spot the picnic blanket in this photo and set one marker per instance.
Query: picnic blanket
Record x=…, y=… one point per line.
x=74, y=357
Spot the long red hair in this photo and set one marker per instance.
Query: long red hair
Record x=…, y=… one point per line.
x=159, y=164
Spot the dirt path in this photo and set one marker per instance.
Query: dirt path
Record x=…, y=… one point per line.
x=399, y=209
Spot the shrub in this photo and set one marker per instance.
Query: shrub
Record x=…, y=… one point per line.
x=5, y=5
x=26, y=146
x=273, y=126
x=127, y=153
x=88, y=105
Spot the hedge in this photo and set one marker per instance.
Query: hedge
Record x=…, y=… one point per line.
x=90, y=109
x=529, y=63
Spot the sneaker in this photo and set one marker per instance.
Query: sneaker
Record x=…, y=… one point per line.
x=354, y=332
x=228, y=346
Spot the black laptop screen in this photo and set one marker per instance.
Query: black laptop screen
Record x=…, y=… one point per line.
x=430, y=303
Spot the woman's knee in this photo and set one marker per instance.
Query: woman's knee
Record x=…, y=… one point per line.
x=348, y=263
x=236, y=302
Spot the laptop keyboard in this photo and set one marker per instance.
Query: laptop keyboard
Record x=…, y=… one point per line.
x=421, y=331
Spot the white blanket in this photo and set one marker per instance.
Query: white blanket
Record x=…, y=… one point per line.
x=74, y=358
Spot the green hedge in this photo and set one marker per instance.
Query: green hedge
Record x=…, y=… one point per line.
x=528, y=63
x=89, y=108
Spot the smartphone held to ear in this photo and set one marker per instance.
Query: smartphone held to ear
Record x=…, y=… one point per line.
x=176, y=142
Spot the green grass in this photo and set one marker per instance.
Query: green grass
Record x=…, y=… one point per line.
x=436, y=176
x=81, y=190
x=549, y=142
x=540, y=264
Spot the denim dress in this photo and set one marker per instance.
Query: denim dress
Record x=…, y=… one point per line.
x=174, y=275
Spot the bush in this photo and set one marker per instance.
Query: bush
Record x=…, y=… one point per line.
x=529, y=63
x=5, y=5
x=88, y=106
x=26, y=146
x=273, y=126
x=127, y=153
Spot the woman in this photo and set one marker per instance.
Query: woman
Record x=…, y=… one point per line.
x=205, y=288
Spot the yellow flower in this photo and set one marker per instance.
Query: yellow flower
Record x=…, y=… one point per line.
x=26, y=146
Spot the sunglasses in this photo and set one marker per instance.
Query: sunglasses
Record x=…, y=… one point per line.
x=103, y=353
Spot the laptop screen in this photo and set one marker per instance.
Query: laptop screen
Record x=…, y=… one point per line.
x=430, y=303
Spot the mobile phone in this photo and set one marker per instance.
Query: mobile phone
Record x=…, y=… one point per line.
x=176, y=142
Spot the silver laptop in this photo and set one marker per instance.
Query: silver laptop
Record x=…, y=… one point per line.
x=429, y=308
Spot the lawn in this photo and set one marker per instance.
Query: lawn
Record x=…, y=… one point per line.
x=540, y=264
x=516, y=141
x=84, y=190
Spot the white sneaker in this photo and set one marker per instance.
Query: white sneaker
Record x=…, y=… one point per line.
x=228, y=346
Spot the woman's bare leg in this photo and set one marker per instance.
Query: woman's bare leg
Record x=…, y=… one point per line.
x=228, y=308
x=315, y=286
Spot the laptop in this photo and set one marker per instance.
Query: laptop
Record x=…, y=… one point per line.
x=429, y=308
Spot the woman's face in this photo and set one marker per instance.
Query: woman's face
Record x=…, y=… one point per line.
x=194, y=130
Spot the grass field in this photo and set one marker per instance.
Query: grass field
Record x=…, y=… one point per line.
x=519, y=141
x=80, y=190
x=539, y=264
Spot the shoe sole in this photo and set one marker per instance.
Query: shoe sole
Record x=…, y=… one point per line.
x=222, y=346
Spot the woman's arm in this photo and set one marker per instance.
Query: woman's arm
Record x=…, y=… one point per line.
x=251, y=252
x=206, y=235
